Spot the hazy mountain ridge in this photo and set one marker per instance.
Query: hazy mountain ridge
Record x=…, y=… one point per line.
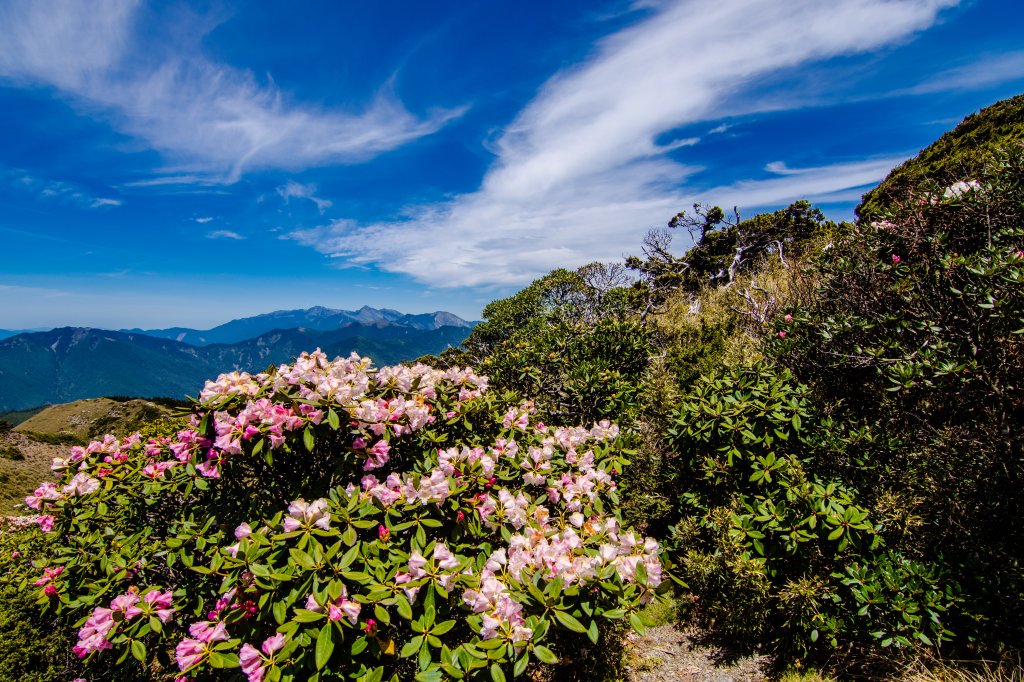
x=8, y=333
x=72, y=363
x=318, y=318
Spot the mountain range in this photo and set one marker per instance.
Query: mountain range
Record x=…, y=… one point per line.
x=316, y=318
x=71, y=363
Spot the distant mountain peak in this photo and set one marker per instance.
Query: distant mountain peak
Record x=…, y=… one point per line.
x=317, y=318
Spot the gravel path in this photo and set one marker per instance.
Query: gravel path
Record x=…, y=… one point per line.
x=667, y=652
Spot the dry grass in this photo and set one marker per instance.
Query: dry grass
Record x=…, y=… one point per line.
x=1010, y=669
x=19, y=477
x=804, y=676
x=82, y=417
x=744, y=310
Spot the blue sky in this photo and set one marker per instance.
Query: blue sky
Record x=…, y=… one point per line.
x=188, y=163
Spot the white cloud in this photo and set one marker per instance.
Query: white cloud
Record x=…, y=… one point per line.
x=983, y=73
x=208, y=119
x=833, y=183
x=54, y=190
x=203, y=220
x=295, y=190
x=224, y=234
x=578, y=175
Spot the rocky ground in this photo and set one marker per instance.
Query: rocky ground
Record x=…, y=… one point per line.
x=667, y=652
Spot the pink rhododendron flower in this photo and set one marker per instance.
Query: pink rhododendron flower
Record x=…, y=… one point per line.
x=160, y=604
x=304, y=515
x=49, y=574
x=46, y=491
x=960, y=189
x=204, y=631
x=126, y=604
x=251, y=662
x=45, y=522
x=189, y=653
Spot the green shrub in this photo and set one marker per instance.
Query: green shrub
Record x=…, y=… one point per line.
x=918, y=330
x=56, y=438
x=33, y=648
x=772, y=536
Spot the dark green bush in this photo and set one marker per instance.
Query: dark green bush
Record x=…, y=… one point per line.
x=33, y=648
x=772, y=536
x=11, y=452
x=918, y=330
x=57, y=438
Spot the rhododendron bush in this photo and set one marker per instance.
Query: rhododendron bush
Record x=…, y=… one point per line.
x=330, y=520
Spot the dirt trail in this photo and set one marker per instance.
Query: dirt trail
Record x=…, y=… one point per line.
x=667, y=652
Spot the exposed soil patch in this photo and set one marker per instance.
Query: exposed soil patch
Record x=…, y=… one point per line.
x=668, y=652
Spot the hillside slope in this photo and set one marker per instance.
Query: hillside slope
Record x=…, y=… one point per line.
x=70, y=363
x=957, y=155
x=93, y=417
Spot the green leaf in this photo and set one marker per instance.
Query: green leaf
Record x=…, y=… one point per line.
x=442, y=628
x=592, y=632
x=359, y=645
x=520, y=667
x=429, y=676
x=324, y=645
x=545, y=655
x=222, y=660
x=332, y=419
x=139, y=651
x=404, y=608
x=638, y=625
x=304, y=616
x=497, y=674
x=302, y=559
x=308, y=439
x=280, y=612
x=349, y=537
x=569, y=621
x=411, y=647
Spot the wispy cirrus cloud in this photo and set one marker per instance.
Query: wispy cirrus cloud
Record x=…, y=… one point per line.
x=982, y=73
x=579, y=176
x=211, y=122
x=296, y=190
x=832, y=183
x=224, y=234
x=57, y=191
